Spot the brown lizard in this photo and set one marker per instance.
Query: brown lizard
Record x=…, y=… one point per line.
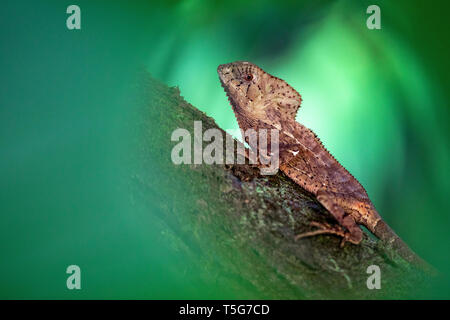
x=260, y=100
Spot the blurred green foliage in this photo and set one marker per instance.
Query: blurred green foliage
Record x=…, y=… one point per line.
x=378, y=99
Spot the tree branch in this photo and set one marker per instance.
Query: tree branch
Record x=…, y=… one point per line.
x=237, y=227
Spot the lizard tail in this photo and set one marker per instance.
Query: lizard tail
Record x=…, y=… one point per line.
x=392, y=240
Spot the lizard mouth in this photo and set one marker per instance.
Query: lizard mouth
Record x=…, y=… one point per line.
x=221, y=70
x=229, y=96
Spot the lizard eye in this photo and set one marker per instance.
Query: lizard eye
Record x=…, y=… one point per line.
x=248, y=77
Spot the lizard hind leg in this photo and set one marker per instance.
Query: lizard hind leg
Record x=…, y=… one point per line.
x=324, y=228
x=348, y=229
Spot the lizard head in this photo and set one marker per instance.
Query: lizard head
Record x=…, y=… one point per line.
x=240, y=80
x=255, y=94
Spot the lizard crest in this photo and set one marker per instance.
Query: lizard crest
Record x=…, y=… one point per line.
x=256, y=94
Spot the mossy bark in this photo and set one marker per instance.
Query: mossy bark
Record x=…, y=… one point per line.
x=238, y=227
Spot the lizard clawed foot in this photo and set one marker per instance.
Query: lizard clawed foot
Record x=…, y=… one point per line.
x=325, y=228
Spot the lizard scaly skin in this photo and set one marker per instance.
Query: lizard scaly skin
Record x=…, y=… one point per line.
x=262, y=101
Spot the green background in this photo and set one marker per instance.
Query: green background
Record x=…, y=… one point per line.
x=378, y=99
